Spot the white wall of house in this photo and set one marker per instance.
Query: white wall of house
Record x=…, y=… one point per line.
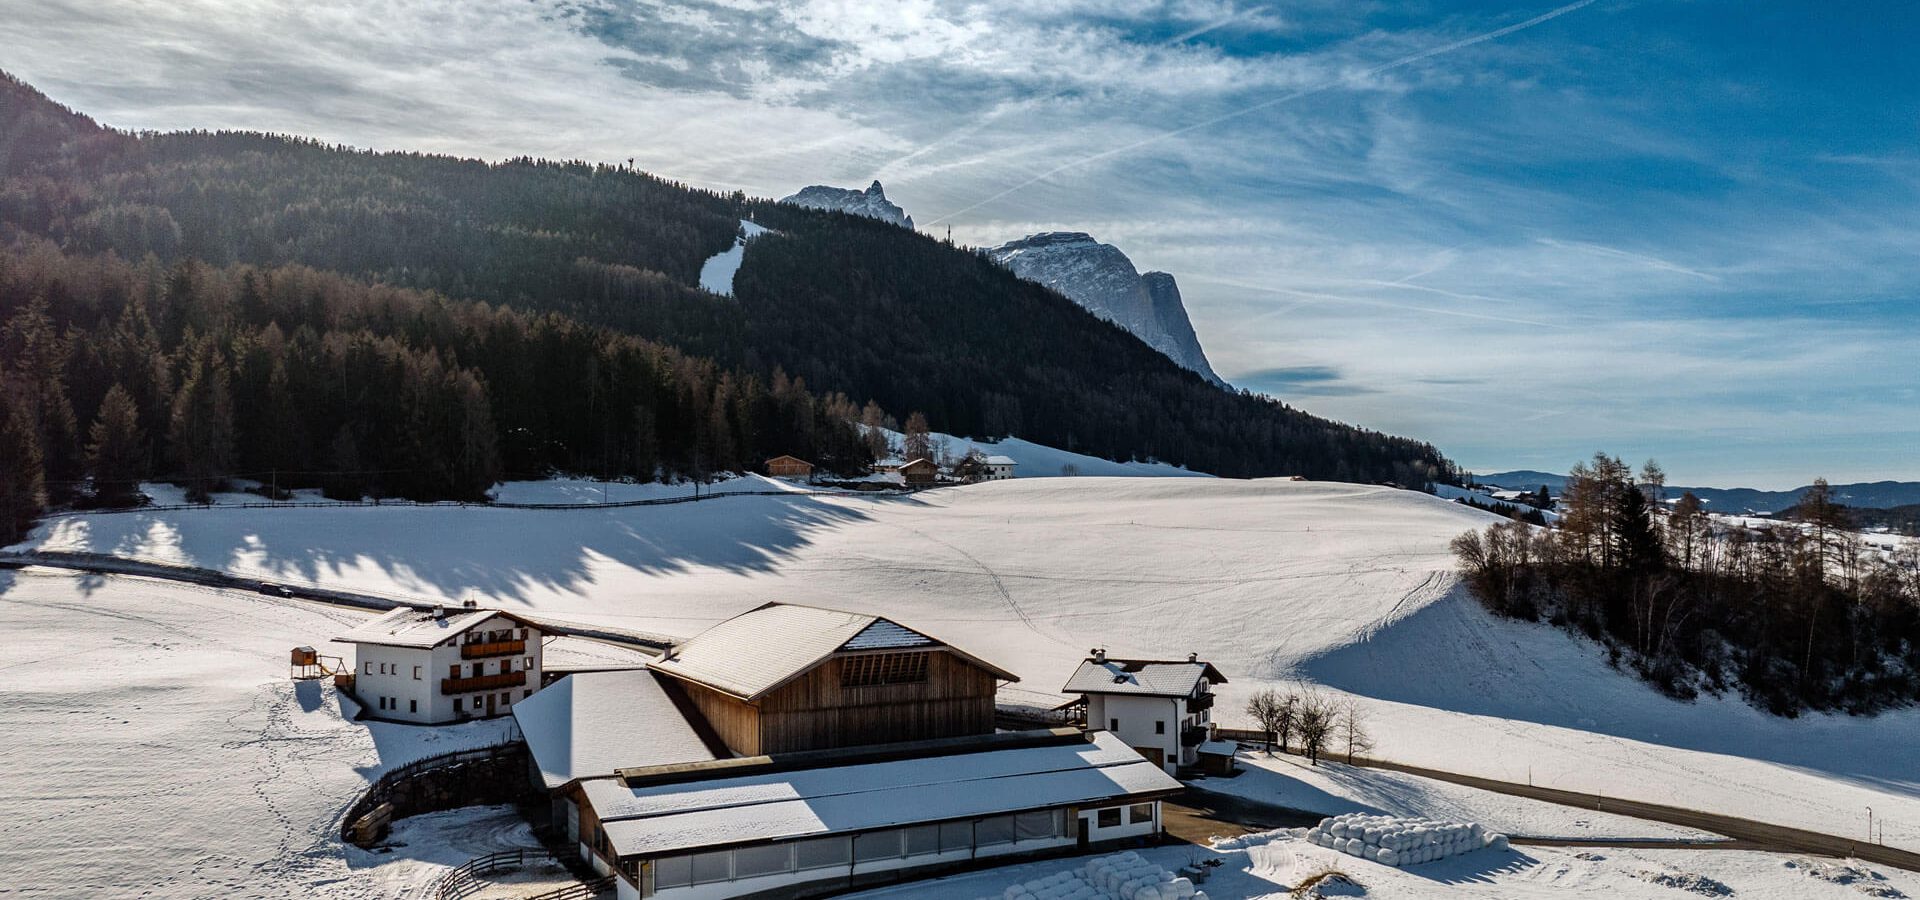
x=1148, y=723
x=409, y=678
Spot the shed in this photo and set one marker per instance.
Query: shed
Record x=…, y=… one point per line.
x=789, y=467
x=920, y=471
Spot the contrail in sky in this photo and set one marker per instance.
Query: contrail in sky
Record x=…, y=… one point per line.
x=1276, y=101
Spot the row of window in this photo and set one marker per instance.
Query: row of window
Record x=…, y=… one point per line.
x=453, y=669
x=874, y=669
x=1137, y=814
x=870, y=847
x=495, y=637
x=392, y=703
x=479, y=701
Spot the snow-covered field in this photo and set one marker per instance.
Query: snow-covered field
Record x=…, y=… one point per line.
x=1347, y=586
x=154, y=746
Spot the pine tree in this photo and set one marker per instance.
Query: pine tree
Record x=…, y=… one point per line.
x=200, y=433
x=23, y=491
x=116, y=449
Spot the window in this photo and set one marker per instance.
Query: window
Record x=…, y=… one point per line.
x=956, y=836
x=506, y=698
x=453, y=671
x=369, y=668
x=874, y=669
x=997, y=830
x=711, y=867
x=456, y=705
x=767, y=859
x=524, y=694
x=876, y=845
x=416, y=673
x=1113, y=724
x=673, y=871
x=1160, y=726
x=1108, y=818
x=923, y=839
x=1140, y=813
x=478, y=669
x=1036, y=826
x=823, y=853
x=413, y=706
x=526, y=663
x=523, y=634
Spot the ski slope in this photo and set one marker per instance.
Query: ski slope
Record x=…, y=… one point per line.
x=1347, y=586
x=716, y=274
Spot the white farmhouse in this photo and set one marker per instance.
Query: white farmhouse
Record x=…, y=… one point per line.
x=999, y=468
x=1161, y=709
x=444, y=665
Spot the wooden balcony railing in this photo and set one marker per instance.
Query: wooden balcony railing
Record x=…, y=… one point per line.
x=1201, y=703
x=494, y=648
x=483, y=682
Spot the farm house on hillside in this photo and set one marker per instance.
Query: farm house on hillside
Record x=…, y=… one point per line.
x=795, y=751
x=919, y=472
x=1163, y=709
x=789, y=467
x=444, y=665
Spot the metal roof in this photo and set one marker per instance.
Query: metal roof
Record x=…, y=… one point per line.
x=1149, y=678
x=590, y=724
x=408, y=626
x=753, y=653
x=667, y=818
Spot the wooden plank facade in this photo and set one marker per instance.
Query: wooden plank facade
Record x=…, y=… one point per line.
x=829, y=706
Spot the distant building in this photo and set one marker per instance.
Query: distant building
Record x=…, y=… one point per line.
x=888, y=465
x=789, y=467
x=919, y=472
x=1000, y=467
x=1161, y=709
x=444, y=665
x=794, y=751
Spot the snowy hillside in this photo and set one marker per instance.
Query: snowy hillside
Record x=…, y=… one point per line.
x=1040, y=461
x=871, y=203
x=1103, y=280
x=716, y=274
x=1349, y=586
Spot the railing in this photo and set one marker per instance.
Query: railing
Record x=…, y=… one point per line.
x=382, y=788
x=467, y=878
x=1201, y=703
x=495, y=648
x=1193, y=736
x=483, y=682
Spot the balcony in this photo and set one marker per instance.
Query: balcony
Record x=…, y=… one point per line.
x=483, y=650
x=1201, y=703
x=483, y=682
x=1193, y=736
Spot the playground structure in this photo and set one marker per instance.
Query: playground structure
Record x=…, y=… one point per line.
x=308, y=664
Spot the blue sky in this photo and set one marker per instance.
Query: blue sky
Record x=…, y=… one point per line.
x=1523, y=231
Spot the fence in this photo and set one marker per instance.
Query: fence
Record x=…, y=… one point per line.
x=469, y=877
x=404, y=786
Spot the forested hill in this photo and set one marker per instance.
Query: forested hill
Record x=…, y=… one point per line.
x=873, y=311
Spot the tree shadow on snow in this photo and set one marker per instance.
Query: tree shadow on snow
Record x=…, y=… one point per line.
x=508, y=554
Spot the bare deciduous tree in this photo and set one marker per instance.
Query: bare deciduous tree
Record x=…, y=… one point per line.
x=1353, y=729
x=1274, y=713
x=1315, y=721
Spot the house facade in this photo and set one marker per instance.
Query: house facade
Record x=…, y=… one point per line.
x=1163, y=709
x=999, y=468
x=794, y=751
x=919, y=472
x=438, y=665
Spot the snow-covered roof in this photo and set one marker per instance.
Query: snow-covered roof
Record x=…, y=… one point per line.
x=666, y=818
x=410, y=627
x=997, y=460
x=589, y=724
x=753, y=653
x=1150, y=678
x=1218, y=748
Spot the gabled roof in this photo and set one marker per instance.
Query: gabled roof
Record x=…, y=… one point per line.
x=788, y=459
x=1143, y=677
x=754, y=652
x=408, y=626
x=919, y=461
x=785, y=804
x=591, y=724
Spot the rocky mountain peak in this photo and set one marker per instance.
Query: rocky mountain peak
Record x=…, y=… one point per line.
x=871, y=203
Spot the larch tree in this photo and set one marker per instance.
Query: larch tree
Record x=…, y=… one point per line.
x=200, y=434
x=916, y=443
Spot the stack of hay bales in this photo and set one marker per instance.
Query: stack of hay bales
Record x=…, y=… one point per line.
x=1122, y=876
x=1394, y=841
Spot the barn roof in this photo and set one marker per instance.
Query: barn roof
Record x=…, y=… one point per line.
x=590, y=724
x=790, y=459
x=836, y=799
x=408, y=626
x=753, y=653
x=1145, y=677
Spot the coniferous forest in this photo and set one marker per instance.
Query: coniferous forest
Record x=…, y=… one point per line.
x=419, y=325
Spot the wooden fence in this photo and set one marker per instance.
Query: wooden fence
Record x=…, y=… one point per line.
x=398, y=783
x=470, y=877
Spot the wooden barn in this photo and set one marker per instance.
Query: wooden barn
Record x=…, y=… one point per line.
x=789, y=467
x=783, y=678
x=919, y=472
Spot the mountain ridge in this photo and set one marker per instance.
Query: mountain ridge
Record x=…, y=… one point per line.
x=1864, y=494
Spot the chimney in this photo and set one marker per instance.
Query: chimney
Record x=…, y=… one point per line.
x=1193, y=657
x=1100, y=655
x=439, y=611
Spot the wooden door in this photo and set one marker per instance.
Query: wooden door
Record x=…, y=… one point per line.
x=1154, y=755
x=490, y=698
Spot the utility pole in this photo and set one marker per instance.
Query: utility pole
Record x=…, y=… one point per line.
x=1869, y=824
